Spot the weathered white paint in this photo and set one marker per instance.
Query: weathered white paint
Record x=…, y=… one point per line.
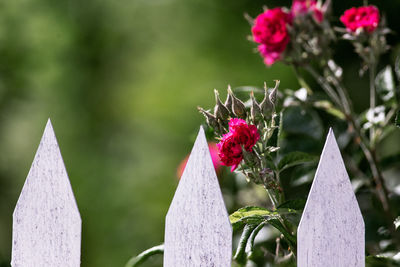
x=46, y=220
x=331, y=230
x=197, y=230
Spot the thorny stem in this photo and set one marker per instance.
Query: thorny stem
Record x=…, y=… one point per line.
x=370, y=155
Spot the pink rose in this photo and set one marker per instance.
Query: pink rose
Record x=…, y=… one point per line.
x=240, y=135
x=270, y=31
x=246, y=135
x=365, y=18
x=230, y=151
x=214, y=157
x=302, y=7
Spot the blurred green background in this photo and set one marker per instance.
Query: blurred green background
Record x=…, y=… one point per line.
x=121, y=81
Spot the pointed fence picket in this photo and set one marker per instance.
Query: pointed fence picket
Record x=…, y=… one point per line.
x=46, y=220
x=47, y=224
x=331, y=230
x=197, y=228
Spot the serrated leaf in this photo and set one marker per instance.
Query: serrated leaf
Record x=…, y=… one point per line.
x=250, y=215
x=384, y=83
x=295, y=158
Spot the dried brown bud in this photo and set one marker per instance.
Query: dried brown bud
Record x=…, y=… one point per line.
x=238, y=107
x=210, y=118
x=255, y=110
x=272, y=95
x=266, y=105
x=228, y=101
x=220, y=111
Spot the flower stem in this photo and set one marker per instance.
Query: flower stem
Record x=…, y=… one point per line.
x=372, y=99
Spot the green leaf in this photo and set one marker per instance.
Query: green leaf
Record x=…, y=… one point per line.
x=292, y=240
x=240, y=255
x=250, y=215
x=397, y=67
x=254, y=216
x=295, y=204
x=397, y=120
x=295, y=158
x=382, y=261
x=252, y=237
x=301, y=120
x=142, y=257
x=385, y=85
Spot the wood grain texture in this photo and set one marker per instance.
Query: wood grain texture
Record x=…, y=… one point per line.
x=331, y=230
x=197, y=230
x=46, y=220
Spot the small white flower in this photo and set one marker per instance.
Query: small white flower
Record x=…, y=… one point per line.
x=376, y=115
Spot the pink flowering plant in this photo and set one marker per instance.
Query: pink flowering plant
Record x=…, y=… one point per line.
x=271, y=137
x=303, y=37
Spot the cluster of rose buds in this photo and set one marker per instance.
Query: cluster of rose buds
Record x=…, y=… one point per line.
x=235, y=108
x=243, y=132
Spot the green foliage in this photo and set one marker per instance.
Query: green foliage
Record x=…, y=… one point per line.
x=381, y=261
x=252, y=219
x=251, y=215
x=305, y=121
x=295, y=158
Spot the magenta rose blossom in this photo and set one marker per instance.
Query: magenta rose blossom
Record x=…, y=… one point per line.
x=365, y=17
x=230, y=151
x=302, y=7
x=240, y=134
x=269, y=30
x=247, y=135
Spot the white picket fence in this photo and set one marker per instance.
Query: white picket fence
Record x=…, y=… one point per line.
x=47, y=224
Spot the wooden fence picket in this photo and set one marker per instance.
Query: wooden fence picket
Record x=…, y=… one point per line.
x=331, y=230
x=197, y=230
x=46, y=220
